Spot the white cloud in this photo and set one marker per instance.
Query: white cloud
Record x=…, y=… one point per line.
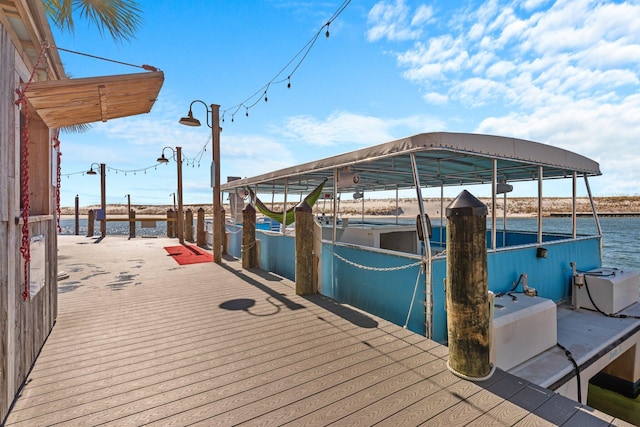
x=563, y=71
x=250, y=155
x=436, y=98
x=346, y=128
x=392, y=20
x=605, y=132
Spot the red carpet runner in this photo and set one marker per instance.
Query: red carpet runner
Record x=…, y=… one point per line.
x=189, y=254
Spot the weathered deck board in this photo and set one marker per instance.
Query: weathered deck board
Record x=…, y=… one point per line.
x=141, y=340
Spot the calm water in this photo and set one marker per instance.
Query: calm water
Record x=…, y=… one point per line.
x=620, y=248
x=620, y=236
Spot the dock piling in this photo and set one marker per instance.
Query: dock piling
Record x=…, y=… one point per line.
x=188, y=226
x=201, y=234
x=132, y=223
x=467, y=296
x=249, y=249
x=171, y=224
x=90, y=223
x=304, y=249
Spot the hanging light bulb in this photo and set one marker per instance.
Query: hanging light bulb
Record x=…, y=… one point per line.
x=327, y=33
x=289, y=84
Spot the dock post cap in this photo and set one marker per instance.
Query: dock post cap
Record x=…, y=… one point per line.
x=466, y=204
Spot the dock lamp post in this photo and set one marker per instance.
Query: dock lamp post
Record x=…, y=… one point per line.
x=103, y=197
x=214, y=124
x=177, y=155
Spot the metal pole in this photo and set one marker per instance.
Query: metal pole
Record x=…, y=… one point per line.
x=494, y=184
x=103, y=199
x=218, y=222
x=128, y=196
x=180, y=213
x=428, y=302
x=77, y=216
x=540, y=176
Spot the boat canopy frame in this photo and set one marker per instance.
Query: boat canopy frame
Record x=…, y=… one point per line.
x=442, y=158
x=431, y=160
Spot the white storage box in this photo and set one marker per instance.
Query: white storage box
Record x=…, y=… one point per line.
x=611, y=289
x=522, y=328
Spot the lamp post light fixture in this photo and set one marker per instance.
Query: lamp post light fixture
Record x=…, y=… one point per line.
x=103, y=197
x=180, y=217
x=214, y=124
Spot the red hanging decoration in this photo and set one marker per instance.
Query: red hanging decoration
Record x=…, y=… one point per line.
x=25, y=247
x=56, y=146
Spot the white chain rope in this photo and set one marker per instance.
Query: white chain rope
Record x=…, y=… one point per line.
x=234, y=232
x=365, y=267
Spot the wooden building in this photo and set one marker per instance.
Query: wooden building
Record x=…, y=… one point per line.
x=37, y=101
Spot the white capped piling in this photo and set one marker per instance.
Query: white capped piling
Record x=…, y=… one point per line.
x=467, y=288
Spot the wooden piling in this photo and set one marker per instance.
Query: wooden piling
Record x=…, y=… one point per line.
x=90, y=223
x=201, y=234
x=304, y=249
x=171, y=225
x=467, y=287
x=223, y=232
x=188, y=226
x=132, y=223
x=249, y=249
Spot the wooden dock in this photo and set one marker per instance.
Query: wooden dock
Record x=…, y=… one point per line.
x=140, y=340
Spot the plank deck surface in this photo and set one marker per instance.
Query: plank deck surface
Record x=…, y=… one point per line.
x=140, y=340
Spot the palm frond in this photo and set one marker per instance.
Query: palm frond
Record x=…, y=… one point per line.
x=120, y=18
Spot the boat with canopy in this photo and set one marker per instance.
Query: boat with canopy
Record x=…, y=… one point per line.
x=395, y=271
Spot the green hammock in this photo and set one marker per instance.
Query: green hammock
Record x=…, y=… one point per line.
x=290, y=214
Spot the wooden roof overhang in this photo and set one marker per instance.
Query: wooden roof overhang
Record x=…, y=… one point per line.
x=70, y=102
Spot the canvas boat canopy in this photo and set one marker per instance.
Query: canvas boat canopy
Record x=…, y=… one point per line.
x=69, y=102
x=442, y=159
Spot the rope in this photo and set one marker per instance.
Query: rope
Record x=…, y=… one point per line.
x=21, y=102
x=143, y=66
x=249, y=246
x=468, y=378
x=413, y=298
x=364, y=267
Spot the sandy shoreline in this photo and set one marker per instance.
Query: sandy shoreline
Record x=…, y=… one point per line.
x=516, y=207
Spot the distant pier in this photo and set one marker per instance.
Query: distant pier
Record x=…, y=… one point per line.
x=600, y=214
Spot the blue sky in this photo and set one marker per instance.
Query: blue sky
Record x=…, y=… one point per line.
x=565, y=73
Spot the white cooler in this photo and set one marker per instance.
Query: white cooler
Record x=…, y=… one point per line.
x=522, y=329
x=611, y=289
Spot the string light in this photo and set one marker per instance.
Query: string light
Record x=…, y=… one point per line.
x=300, y=56
x=189, y=161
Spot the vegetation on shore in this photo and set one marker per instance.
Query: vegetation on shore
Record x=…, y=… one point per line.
x=406, y=206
